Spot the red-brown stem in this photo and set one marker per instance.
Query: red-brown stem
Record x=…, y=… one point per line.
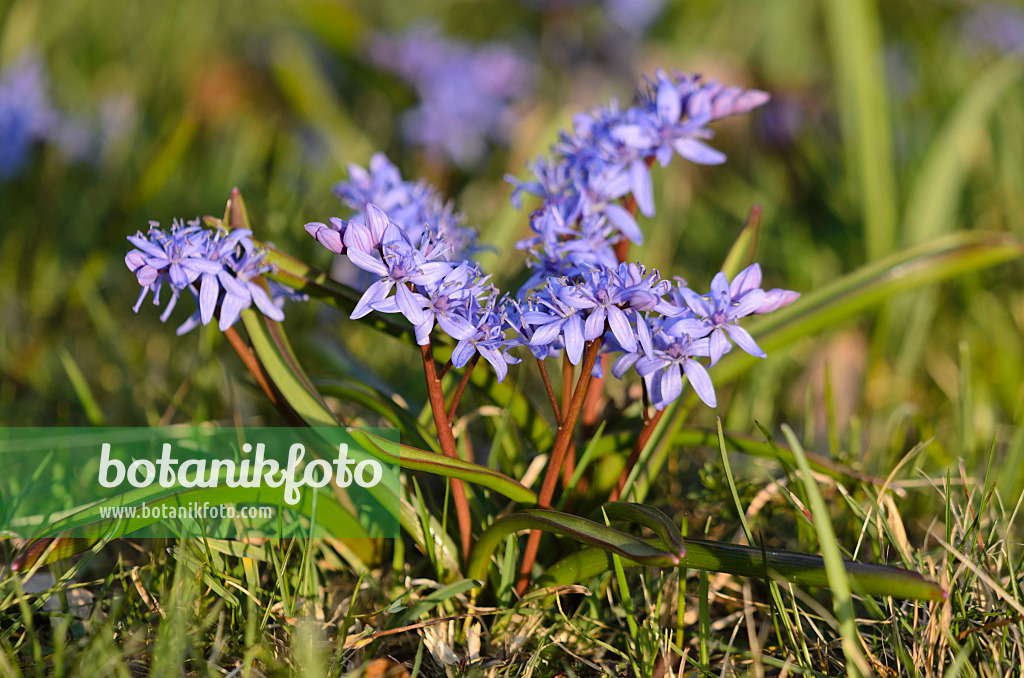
x=570, y=457
x=447, y=440
x=567, y=369
x=622, y=247
x=558, y=452
x=253, y=365
x=461, y=387
x=444, y=370
x=551, y=391
x=595, y=396
x=638, y=448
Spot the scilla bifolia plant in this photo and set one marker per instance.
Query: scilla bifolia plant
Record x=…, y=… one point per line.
x=409, y=266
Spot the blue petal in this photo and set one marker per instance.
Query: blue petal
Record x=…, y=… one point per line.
x=411, y=305
x=719, y=345
x=745, y=341
x=620, y=217
x=643, y=188
x=464, y=350
x=594, y=327
x=698, y=152
x=230, y=309
x=623, y=363
x=497, y=361
x=367, y=262
x=573, y=333
x=621, y=329
x=373, y=293
x=669, y=104
x=209, y=290
x=264, y=304
x=701, y=382
x=671, y=385
x=455, y=326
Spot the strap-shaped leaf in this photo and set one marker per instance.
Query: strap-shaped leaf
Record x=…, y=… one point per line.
x=930, y=262
x=421, y=460
x=747, y=561
x=651, y=518
x=633, y=550
x=89, y=526
x=283, y=368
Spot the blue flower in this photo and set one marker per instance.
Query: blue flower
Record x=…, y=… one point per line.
x=413, y=207
x=397, y=264
x=663, y=371
x=549, y=318
x=466, y=93
x=717, y=312
x=219, y=268
x=488, y=339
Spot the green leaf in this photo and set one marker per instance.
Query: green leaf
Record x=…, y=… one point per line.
x=930, y=262
x=276, y=356
x=634, y=551
x=747, y=561
x=421, y=460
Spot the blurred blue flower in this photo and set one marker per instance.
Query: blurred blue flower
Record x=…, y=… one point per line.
x=414, y=207
x=995, y=25
x=466, y=92
x=26, y=114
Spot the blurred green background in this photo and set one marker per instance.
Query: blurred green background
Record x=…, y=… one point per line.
x=891, y=124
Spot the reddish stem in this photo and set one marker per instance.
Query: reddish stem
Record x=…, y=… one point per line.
x=558, y=452
x=252, y=363
x=447, y=440
x=461, y=387
x=638, y=448
x=551, y=391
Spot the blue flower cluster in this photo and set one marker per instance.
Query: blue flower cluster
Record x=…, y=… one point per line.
x=414, y=249
x=415, y=206
x=466, y=93
x=579, y=292
x=608, y=157
x=222, y=269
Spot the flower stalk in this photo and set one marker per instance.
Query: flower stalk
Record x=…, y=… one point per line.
x=447, y=440
x=558, y=453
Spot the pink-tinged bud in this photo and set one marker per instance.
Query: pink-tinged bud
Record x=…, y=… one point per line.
x=777, y=298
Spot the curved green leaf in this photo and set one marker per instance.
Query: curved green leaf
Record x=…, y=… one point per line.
x=917, y=266
x=284, y=370
x=421, y=460
x=649, y=517
x=747, y=561
x=633, y=550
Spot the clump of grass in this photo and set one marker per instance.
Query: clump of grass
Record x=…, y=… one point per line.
x=192, y=608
